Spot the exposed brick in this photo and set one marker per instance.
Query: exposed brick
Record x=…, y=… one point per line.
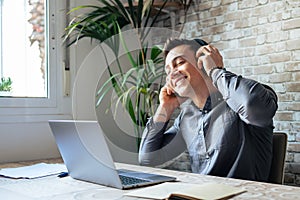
x=293, y=147
x=296, y=115
x=298, y=135
x=296, y=11
x=293, y=87
x=217, y=11
x=275, y=17
x=263, y=69
x=289, y=178
x=285, y=97
x=279, y=68
x=220, y=19
x=224, y=2
x=193, y=17
x=216, y=3
x=232, y=7
x=294, y=106
x=296, y=55
x=229, y=26
x=286, y=14
x=291, y=24
x=209, y=22
x=294, y=168
x=247, y=4
x=249, y=52
x=289, y=157
x=282, y=126
x=291, y=137
x=265, y=49
x=247, y=71
x=280, y=78
x=260, y=11
x=297, y=157
x=241, y=24
x=296, y=76
x=205, y=5
x=232, y=16
x=247, y=42
x=262, y=20
x=294, y=34
x=279, y=87
x=284, y=116
x=293, y=44
x=275, y=36
x=213, y=30
x=280, y=57
x=204, y=14
x=261, y=2
x=261, y=39
x=296, y=126
x=296, y=96
x=297, y=180
x=294, y=66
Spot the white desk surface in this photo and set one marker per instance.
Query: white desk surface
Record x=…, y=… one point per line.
x=66, y=188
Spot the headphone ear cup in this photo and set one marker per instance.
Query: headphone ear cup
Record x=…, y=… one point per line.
x=201, y=42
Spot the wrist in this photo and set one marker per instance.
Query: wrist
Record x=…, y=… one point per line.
x=163, y=114
x=212, y=70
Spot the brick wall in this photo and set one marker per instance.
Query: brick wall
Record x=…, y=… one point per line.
x=259, y=39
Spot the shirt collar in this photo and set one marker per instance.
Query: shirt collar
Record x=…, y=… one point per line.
x=211, y=101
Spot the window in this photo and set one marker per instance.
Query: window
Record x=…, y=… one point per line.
x=23, y=47
x=32, y=52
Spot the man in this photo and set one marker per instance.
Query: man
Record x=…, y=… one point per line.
x=225, y=121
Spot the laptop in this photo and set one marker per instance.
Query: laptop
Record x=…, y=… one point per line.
x=84, y=150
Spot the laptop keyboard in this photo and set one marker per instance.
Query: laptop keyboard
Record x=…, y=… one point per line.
x=126, y=180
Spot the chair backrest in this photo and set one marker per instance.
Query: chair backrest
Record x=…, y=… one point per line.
x=278, y=161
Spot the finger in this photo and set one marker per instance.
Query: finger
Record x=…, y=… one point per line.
x=212, y=49
x=202, y=50
x=199, y=52
x=200, y=63
x=168, y=90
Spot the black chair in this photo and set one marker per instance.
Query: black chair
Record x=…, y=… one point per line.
x=278, y=161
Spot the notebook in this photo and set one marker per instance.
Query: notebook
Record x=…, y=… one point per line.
x=84, y=150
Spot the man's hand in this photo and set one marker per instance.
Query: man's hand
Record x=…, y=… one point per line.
x=168, y=103
x=209, y=57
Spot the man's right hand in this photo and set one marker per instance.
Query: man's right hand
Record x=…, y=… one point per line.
x=168, y=103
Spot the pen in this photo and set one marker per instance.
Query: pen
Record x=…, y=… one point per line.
x=63, y=174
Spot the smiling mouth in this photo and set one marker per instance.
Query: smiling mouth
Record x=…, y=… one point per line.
x=180, y=80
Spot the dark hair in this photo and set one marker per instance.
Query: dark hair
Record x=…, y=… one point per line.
x=174, y=42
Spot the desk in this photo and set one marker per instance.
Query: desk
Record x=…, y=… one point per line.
x=55, y=188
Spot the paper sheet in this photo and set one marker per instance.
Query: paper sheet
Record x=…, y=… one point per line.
x=197, y=191
x=33, y=171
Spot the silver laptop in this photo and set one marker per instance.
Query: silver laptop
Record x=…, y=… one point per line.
x=83, y=147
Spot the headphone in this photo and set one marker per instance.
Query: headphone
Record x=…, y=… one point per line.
x=201, y=42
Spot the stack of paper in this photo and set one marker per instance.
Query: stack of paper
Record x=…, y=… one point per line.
x=33, y=171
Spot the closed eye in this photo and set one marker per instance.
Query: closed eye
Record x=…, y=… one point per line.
x=179, y=61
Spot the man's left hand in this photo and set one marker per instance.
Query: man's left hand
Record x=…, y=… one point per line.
x=209, y=57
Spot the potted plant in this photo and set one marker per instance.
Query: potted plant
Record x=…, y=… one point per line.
x=137, y=88
x=5, y=86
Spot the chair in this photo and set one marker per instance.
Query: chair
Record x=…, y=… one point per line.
x=278, y=161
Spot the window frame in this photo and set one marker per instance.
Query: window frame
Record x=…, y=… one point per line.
x=25, y=109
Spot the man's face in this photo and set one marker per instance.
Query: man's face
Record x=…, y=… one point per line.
x=182, y=72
